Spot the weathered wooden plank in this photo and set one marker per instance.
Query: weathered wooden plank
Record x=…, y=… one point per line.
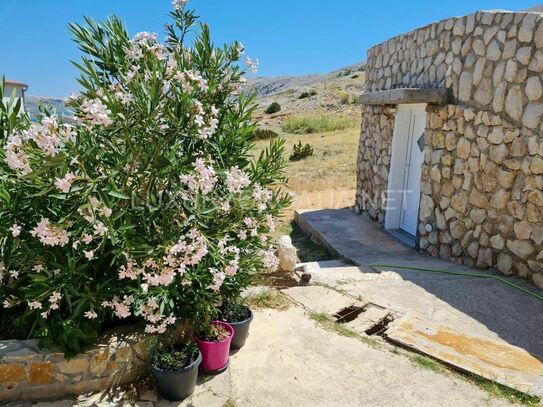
x=405, y=95
x=492, y=359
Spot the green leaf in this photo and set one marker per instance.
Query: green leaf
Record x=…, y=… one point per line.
x=118, y=194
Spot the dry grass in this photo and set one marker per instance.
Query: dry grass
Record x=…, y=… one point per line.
x=268, y=299
x=332, y=166
x=325, y=180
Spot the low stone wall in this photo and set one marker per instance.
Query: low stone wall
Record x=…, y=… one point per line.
x=30, y=373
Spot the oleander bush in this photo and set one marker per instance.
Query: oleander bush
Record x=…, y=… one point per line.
x=149, y=206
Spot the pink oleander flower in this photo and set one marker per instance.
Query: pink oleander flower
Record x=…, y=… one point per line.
x=87, y=238
x=16, y=158
x=64, y=184
x=218, y=279
x=7, y=304
x=49, y=234
x=55, y=297
x=104, y=211
x=203, y=181
x=89, y=255
x=14, y=274
x=90, y=314
x=232, y=268
x=252, y=64
x=100, y=229
x=270, y=260
x=178, y=4
x=34, y=304
x=38, y=268
x=225, y=206
x=270, y=224
x=236, y=180
x=45, y=314
x=96, y=113
x=15, y=230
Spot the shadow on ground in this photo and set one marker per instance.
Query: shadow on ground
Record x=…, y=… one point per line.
x=511, y=314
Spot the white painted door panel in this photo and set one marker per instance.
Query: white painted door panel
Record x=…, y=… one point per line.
x=414, y=156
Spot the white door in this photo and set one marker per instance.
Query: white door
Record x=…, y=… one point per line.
x=412, y=167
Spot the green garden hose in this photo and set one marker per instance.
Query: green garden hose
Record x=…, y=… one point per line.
x=503, y=280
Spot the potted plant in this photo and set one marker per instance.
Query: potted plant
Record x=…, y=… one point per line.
x=239, y=316
x=175, y=368
x=214, y=340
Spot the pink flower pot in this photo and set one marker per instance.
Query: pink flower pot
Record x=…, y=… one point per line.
x=215, y=354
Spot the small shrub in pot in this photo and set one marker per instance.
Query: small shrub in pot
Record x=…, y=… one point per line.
x=175, y=368
x=239, y=316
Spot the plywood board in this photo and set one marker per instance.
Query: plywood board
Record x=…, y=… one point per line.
x=492, y=359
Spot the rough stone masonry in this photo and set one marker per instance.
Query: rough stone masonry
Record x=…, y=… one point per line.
x=482, y=176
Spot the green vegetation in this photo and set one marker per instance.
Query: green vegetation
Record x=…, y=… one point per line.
x=307, y=94
x=307, y=249
x=348, y=99
x=234, y=312
x=268, y=299
x=171, y=357
x=300, y=152
x=429, y=364
x=491, y=387
x=273, y=108
x=264, y=134
x=316, y=124
x=499, y=390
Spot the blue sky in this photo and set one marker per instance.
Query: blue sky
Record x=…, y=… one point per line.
x=289, y=37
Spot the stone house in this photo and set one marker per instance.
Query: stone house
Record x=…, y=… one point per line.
x=451, y=146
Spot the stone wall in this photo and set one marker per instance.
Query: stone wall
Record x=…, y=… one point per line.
x=482, y=177
x=373, y=163
x=28, y=373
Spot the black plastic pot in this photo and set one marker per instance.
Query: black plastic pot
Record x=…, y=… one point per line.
x=179, y=384
x=241, y=332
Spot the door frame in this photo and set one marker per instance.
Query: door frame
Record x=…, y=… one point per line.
x=400, y=139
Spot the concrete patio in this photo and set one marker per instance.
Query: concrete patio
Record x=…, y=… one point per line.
x=486, y=308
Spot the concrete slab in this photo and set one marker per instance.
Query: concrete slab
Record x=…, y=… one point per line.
x=291, y=361
x=485, y=308
x=368, y=319
x=494, y=360
x=321, y=299
x=405, y=95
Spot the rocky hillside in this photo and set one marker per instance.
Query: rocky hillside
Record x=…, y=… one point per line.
x=335, y=93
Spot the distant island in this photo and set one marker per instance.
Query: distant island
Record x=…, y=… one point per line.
x=32, y=104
